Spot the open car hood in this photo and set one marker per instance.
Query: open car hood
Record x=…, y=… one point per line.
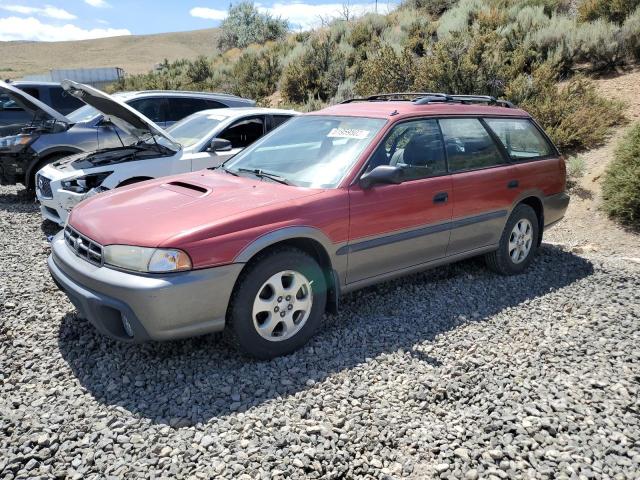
x=32, y=104
x=119, y=113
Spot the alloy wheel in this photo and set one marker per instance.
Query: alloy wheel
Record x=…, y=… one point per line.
x=282, y=306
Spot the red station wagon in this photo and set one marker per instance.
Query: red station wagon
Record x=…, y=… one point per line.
x=332, y=201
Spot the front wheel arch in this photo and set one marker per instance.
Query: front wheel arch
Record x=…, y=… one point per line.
x=319, y=253
x=30, y=176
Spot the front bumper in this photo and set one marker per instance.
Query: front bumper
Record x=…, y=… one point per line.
x=57, y=206
x=55, y=202
x=157, y=307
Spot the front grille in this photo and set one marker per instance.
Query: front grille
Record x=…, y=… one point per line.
x=44, y=185
x=83, y=246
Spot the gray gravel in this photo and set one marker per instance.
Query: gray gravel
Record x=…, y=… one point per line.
x=456, y=373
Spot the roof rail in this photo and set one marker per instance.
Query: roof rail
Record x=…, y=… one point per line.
x=423, y=98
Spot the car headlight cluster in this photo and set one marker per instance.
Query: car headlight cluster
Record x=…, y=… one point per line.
x=15, y=143
x=86, y=183
x=148, y=260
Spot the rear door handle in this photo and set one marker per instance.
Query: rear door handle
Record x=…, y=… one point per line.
x=441, y=197
x=513, y=184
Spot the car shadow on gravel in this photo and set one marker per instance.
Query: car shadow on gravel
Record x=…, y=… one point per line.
x=183, y=383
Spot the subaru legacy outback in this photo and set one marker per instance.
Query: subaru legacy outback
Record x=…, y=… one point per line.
x=331, y=201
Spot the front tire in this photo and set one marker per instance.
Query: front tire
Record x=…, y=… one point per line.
x=277, y=304
x=518, y=243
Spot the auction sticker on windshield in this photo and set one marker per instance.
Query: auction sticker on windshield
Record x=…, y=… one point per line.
x=348, y=133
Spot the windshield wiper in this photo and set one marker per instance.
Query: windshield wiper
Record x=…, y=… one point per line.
x=224, y=169
x=258, y=172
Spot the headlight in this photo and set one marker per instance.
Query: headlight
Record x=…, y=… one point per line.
x=15, y=143
x=85, y=183
x=151, y=260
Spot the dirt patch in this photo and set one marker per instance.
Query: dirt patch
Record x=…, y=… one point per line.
x=586, y=228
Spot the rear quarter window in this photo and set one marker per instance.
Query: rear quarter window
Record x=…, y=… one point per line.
x=520, y=137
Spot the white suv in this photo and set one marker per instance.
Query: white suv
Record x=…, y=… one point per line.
x=202, y=140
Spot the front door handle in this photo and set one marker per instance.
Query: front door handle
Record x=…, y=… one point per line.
x=441, y=197
x=513, y=184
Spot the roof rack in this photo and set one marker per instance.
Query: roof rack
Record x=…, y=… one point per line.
x=423, y=98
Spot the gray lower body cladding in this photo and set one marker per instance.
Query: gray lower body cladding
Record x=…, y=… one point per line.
x=555, y=207
x=155, y=307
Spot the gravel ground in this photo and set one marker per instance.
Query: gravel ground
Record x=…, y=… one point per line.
x=456, y=373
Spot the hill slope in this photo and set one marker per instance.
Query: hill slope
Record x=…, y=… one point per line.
x=135, y=53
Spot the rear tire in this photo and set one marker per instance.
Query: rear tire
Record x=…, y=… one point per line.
x=277, y=304
x=518, y=243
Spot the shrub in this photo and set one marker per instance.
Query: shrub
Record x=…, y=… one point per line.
x=346, y=90
x=613, y=10
x=245, y=25
x=574, y=115
x=630, y=34
x=316, y=72
x=467, y=63
x=621, y=184
x=256, y=75
x=432, y=7
x=599, y=43
x=576, y=168
x=199, y=70
x=387, y=71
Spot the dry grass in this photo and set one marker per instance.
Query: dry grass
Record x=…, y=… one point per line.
x=135, y=54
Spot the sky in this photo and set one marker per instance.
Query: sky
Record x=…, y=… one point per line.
x=58, y=20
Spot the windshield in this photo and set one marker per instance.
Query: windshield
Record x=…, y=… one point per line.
x=193, y=129
x=83, y=114
x=87, y=112
x=310, y=151
x=7, y=103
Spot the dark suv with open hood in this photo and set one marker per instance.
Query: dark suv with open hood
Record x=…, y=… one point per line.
x=50, y=135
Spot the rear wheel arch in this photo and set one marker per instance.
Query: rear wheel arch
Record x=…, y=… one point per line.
x=538, y=207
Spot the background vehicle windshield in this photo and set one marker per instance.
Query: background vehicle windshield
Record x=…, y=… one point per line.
x=83, y=114
x=7, y=103
x=86, y=113
x=310, y=151
x=193, y=129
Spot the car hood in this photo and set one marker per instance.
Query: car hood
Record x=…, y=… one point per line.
x=150, y=213
x=32, y=104
x=107, y=157
x=119, y=113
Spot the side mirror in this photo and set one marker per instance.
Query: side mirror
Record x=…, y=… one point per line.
x=220, y=145
x=383, y=174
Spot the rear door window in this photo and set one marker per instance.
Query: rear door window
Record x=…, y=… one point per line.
x=244, y=132
x=520, y=137
x=469, y=145
x=34, y=92
x=152, y=108
x=180, y=108
x=63, y=102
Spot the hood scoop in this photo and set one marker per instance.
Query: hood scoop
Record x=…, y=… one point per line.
x=185, y=188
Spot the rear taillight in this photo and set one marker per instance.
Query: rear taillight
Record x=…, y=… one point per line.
x=563, y=172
